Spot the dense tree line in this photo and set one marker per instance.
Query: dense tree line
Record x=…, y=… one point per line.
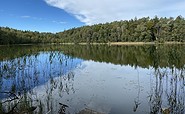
x=13, y=36
x=134, y=30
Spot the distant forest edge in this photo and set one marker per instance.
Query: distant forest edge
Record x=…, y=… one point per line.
x=134, y=30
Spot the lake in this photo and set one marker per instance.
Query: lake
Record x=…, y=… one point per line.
x=92, y=79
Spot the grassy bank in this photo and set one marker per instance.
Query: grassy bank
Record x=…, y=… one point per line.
x=125, y=43
x=109, y=43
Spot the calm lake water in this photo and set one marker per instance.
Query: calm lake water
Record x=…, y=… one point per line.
x=145, y=79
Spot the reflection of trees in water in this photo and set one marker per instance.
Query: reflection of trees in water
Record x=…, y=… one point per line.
x=23, y=74
x=168, y=94
x=139, y=55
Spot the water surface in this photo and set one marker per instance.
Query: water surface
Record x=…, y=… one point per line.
x=106, y=79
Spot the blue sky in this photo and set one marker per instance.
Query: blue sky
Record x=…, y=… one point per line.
x=35, y=15
x=59, y=15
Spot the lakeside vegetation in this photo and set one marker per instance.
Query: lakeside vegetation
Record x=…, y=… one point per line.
x=134, y=30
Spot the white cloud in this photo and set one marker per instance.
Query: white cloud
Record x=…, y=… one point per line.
x=59, y=22
x=62, y=22
x=25, y=16
x=101, y=11
x=38, y=18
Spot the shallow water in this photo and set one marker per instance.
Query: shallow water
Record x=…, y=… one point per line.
x=106, y=79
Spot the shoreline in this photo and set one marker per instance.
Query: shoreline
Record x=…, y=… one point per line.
x=124, y=43
x=143, y=43
x=109, y=43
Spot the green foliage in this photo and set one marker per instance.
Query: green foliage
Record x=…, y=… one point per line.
x=13, y=36
x=137, y=30
x=141, y=30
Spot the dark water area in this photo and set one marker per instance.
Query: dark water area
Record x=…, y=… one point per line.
x=89, y=79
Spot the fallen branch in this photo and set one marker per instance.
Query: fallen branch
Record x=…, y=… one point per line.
x=11, y=111
x=11, y=94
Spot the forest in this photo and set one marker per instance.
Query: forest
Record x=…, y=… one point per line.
x=135, y=30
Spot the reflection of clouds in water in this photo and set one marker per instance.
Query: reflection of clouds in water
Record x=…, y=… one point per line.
x=104, y=87
x=53, y=91
x=109, y=88
x=102, y=81
x=95, y=86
